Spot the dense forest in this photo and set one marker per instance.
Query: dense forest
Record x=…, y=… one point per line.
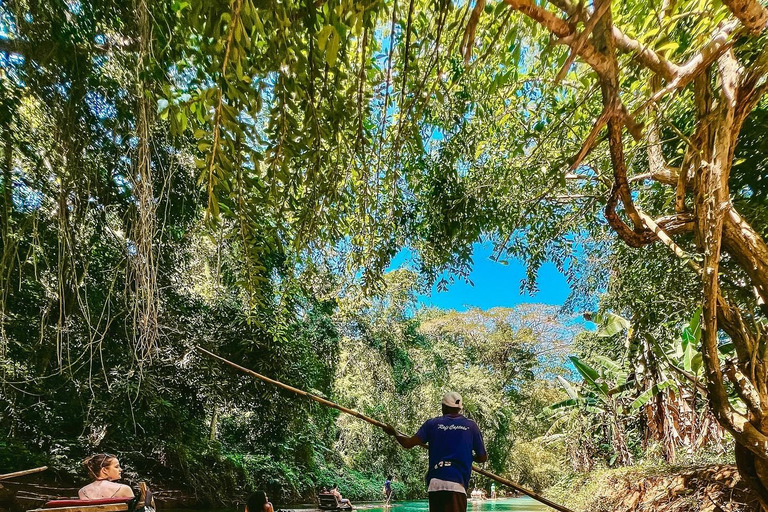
x=239, y=175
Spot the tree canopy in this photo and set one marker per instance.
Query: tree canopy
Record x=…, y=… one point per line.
x=185, y=171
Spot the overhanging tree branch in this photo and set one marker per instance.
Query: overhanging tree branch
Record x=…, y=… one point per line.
x=751, y=13
x=642, y=54
x=560, y=28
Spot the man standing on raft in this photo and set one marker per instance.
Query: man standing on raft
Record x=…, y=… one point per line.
x=451, y=439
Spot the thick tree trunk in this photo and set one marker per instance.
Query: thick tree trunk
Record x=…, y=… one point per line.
x=716, y=137
x=748, y=249
x=705, y=172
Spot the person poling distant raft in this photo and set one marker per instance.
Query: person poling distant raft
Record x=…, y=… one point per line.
x=384, y=426
x=388, y=489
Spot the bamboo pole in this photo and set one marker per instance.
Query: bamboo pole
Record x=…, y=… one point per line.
x=22, y=473
x=295, y=390
x=510, y=483
x=379, y=424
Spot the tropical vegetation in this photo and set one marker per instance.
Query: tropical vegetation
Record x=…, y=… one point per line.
x=239, y=175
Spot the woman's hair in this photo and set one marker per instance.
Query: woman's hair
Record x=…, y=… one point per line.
x=95, y=463
x=256, y=501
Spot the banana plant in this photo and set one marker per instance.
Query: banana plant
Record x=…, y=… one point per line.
x=599, y=399
x=667, y=375
x=682, y=356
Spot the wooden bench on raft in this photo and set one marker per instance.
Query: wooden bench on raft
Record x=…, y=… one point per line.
x=328, y=501
x=105, y=505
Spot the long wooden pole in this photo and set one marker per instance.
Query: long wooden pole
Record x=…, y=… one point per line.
x=22, y=473
x=379, y=424
x=523, y=490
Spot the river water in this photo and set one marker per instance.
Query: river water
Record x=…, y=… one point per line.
x=524, y=504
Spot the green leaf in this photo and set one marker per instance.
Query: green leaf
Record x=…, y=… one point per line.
x=609, y=364
x=670, y=46
x=626, y=386
x=726, y=348
x=571, y=402
x=696, y=362
x=610, y=324
x=333, y=48
x=688, y=354
x=238, y=32
x=568, y=388
x=258, y=24
x=590, y=375
x=650, y=393
x=695, y=326
x=322, y=37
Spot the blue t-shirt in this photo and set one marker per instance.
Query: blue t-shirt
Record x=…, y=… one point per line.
x=451, y=440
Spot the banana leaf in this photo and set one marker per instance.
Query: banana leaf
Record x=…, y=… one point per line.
x=649, y=393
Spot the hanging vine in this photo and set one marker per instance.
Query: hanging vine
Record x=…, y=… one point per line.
x=143, y=264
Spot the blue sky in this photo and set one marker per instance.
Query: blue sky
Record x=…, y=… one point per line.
x=494, y=284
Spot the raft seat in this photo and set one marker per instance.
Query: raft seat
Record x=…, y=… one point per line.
x=143, y=502
x=77, y=503
x=72, y=505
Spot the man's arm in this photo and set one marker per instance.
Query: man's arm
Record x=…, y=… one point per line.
x=408, y=442
x=405, y=441
x=478, y=447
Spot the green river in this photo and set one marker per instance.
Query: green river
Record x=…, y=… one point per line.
x=524, y=504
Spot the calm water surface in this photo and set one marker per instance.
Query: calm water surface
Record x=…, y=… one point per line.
x=524, y=504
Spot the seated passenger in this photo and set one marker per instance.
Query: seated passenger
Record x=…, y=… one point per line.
x=104, y=469
x=258, y=502
x=342, y=501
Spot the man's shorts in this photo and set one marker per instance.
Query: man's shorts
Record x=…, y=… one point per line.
x=447, y=501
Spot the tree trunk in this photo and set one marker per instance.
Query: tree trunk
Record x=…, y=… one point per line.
x=716, y=139
x=214, y=423
x=7, y=185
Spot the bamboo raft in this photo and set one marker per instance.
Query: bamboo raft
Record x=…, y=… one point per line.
x=328, y=501
x=143, y=502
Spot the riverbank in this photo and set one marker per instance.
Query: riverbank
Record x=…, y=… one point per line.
x=660, y=488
